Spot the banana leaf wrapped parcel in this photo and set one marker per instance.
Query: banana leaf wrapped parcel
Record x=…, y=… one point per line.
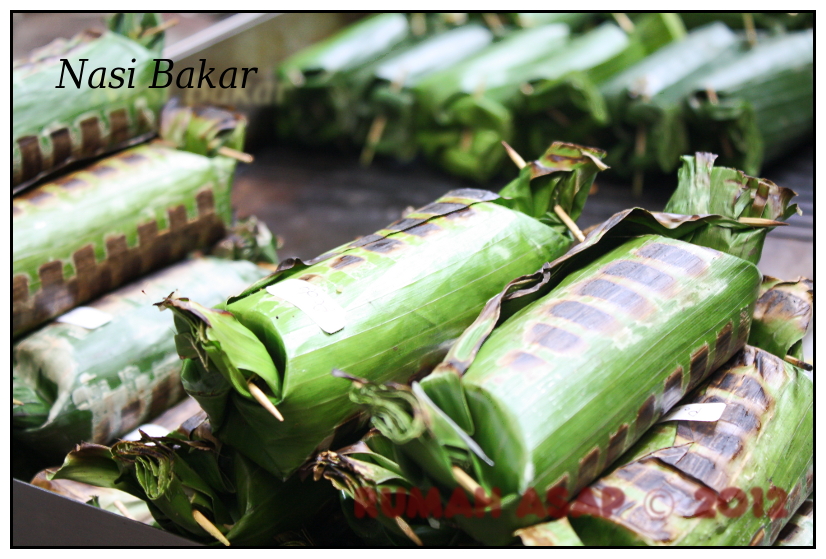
x=54, y=127
x=532, y=403
x=563, y=100
x=463, y=110
x=758, y=105
x=314, y=95
x=196, y=487
x=143, y=208
x=384, y=306
x=646, y=113
x=734, y=481
x=800, y=531
x=387, y=115
x=78, y=382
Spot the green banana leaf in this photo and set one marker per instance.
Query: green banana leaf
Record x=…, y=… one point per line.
x=782, y=316
x=758, y=106
x=314, y=92
x=188, y=471
x=203, y=129
x=565, y=103
x=183, y=201
x=705, y=189
x=774, y=21
x=648, y=123
x=249, y=239
x=464, y=110
x=396, y=300
x=800, y=531
x=390, y=97
x=713, y=483
x=83, y=384
x=501, y=405
x=52, y=127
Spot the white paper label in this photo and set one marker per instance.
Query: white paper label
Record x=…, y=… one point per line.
x=312, y=300
x=85, y=317
x=696, y=412
x=150, y=429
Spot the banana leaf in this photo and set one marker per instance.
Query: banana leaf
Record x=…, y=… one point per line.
x=757, y=106
x=774, y=21
x=574, y=20
x=735, y=481
x=249, y=239
x=80, y=236
x=800, y=531
x=376, y=497
x=314, y=95
x=390, y=97
x=705, y=189
x=464, y=110
x=53, y=127
x=645, y=101
x=82, y=384
x=502, y=407
x=190, y=471
x=565, y=102
x=393, y=301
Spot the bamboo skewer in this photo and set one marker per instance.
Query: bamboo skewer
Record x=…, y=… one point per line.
x=515, y=157
x=624, y=22
x=418, y=24
x=798, y=363
x=760, y=222
x=569, y=223
x=262, y=399
x=213, y=531
x=122, y=508
x=235, y=154
x=16, y=402
x=408, y=531
x=470, y=485
x=751, y=33
x=377, y=127
x=158, y=28
x=492, y=20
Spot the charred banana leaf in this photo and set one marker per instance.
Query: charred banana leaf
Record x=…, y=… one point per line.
x=60, y=261
x=54, y=127
x=386, y=306
x=758, y=105
x=314, y=93
x=530, y=405
x=195, y=487
x=800, y=531
x=735, y=481
x=464, y=110
x=387, y=115
x=81, y=383
x=564, y=101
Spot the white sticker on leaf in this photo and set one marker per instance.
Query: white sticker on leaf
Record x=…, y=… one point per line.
x=696, y=412
x=85, y=317
x=311, y=299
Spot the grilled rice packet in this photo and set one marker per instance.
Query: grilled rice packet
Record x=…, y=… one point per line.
x=526, y=401
x=79, y=236
x=55, y=127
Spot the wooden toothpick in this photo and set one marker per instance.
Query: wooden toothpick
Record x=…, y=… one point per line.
x=235, y=154
x=158, y=28
x=262, y=399
x=569, y=223
x=213, y=531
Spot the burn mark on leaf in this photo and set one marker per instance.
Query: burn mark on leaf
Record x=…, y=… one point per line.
x=616, y=444
x=721, y=349
x=461, y=214
x=699, y=366
x=346, y=260
x=521, y=361
x=103, y=171
x=363, y=241
x=61, y=146
x=698, y=467
x=132, y=158
x=440, y=208
x=640, y=273
x=623, y=297
x=384, y=246
x=71, y=184
x=553, y=338
x=588, y=468
x=404, y=224
x=758, y=538
x=424, y=229
x=739, y=415
x=472, y=194
x=645, y=417
x=674, y=256
x=745, y=387
x=672, y=391
x=582, y=314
